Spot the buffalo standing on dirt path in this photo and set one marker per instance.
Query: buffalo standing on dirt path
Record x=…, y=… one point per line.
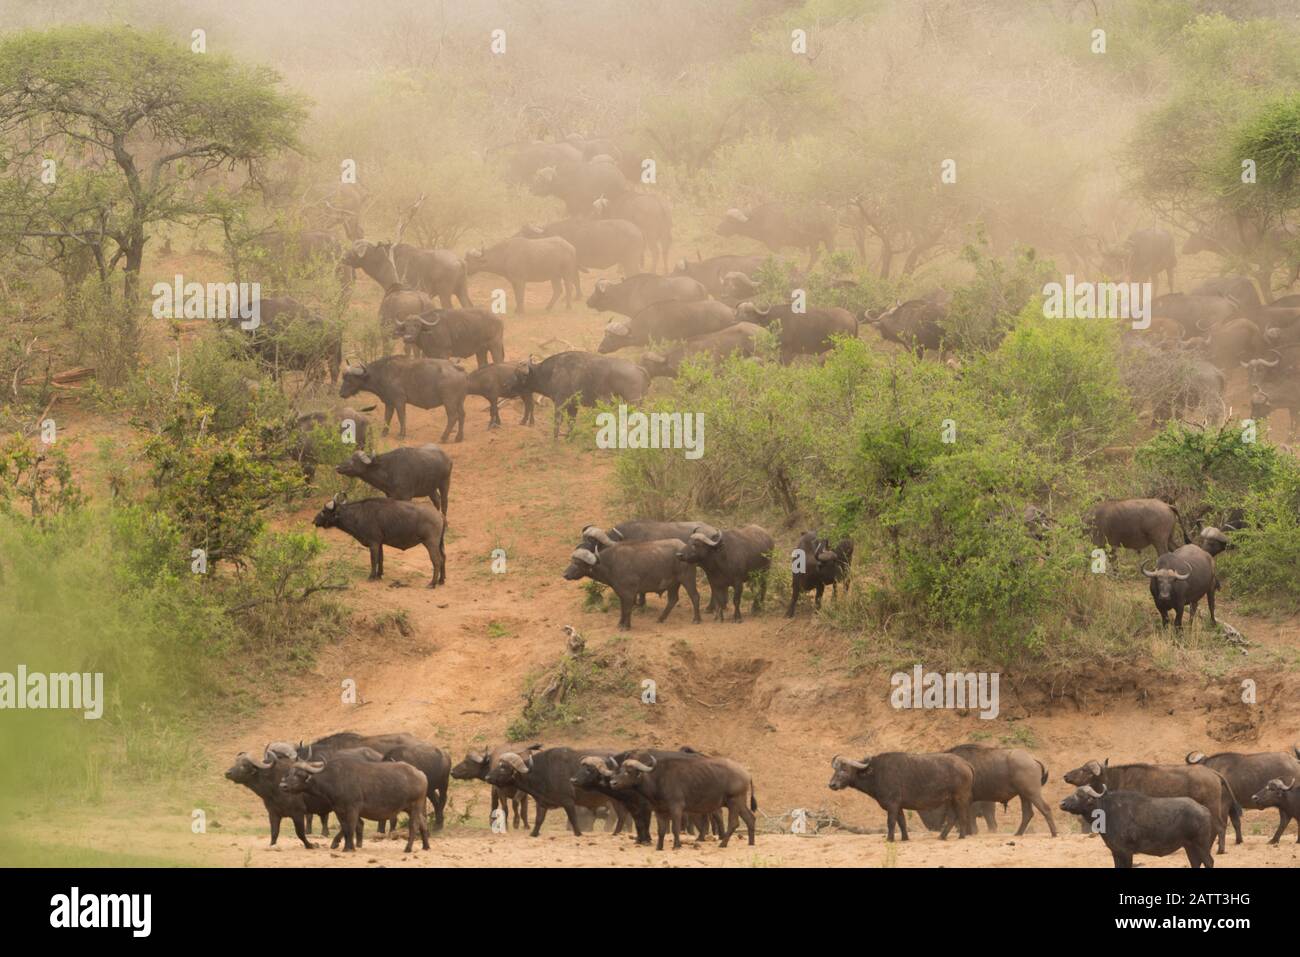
x=1135, y=523
x=405, y=473
x=1131, y=822
x=423, y=383
x=1203, y=785
x=1181, y=578
x=1247, y=774
x=359, y=789
x=475, y=767
x=456, y=333
x=729, y=559
x=635, y=568
x=900, y=782
x=677, y=785
x=568, y=378
x=376, y=522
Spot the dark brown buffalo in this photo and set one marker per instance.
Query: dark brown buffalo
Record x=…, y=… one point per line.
x=815, y=564
x=1283, y=795
x=652, y=214
x=1181, y=578
x=456, y=333
x=1136, y=523
x=435, y=272
x=475, y=767
x=598, y=243
x=423, y=383
x=263, y=777
x=500, y=381
x=1132, y=822
x=376, y=522
x=681, y=784
x=632, y=569
x=1247, y=774
x=360, y=789
x=570, y=378
x=916, y=325
x=712, y=272
x=900, y=782
x=405, y=473
x=435, y=764
x=547, y=776
x=1004, y=773
x=581, y=184
x=1203, y=785
x=730, y=558
x=804, y=332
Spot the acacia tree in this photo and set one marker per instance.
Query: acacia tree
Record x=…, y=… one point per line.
x=137, y=126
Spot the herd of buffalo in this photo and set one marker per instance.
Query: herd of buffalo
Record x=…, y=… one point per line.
x=1152, y=809
x=709, y=307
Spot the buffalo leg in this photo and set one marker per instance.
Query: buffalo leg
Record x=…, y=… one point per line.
x=1026, y=812
x=891, y=815
x=571, y=812
x=435, y=562
x=1121, y=859
x=794, y=598
x=557, y=290
x=388, y=417
x=1235, y=815
x=299, y=828
x=349, y=830
x=1043, y=809
x=693, y=593
x=521, y=809
x=675, y=812
x=376, y=562
x=520, y=288
x=494, y=417
x=625, y=612
x=439, y=803
x=538, y=817
x=760, y=594
x=1209, y=600
x=672, y=601
x=747, y=816
x=820, y=589
x=739, y=587
x=661, y=822
x=1281, y=827
x=528, y=409
x=325, y=824
x=275, y=826
x=401, y=421
x=1221, y=825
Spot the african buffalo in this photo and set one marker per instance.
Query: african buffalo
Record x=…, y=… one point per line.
x=581, y=184
x=1136, y=523
x=730, y=558
x=359, y=789
x=652, y=214
x=263, y=778
x=900, y=781
x=632, y=569
x=815, y=564
x=1284, y=796
x=1247, y=774
x=435, y=764
x=779, y=226
x=738, y=339
x=598, y=243
x=423, y=383
x=547, y=776
x=638, y=292
x=520, y=261
x=802, y=332
x=458, y=333
x=376, y=522
x=916, y=325
x=500, y=381
x=405, y=473
x=711, y=273
x=435, y=272
x=667, y=321
x=1143, y=256
x=475, y=767
x=1004, y=773
x=677, y=785
x=1203, y=785
x=1181, y=578
x=1131, y=822
x=570, y=378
